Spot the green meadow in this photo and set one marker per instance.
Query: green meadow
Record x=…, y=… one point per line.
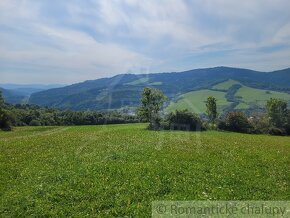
x=118, y=170
x=257, y=96
x=225, y=85
x=194, y=101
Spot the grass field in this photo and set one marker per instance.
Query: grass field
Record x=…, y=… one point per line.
x=195, y=101
x=225, y=85
x=121, y=169
x=257, y=96
x=138, y=81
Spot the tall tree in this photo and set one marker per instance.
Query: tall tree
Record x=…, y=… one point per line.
x=151, y=104
x=277, y=112
x=5, y=119
x=211, y=108
x=1, y=100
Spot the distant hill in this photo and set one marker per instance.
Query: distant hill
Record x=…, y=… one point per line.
x=124, y=90
x=230, y=95
x=13, y=97
x=17, y=93
x=30, y=86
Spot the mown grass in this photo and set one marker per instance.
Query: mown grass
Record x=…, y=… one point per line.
x=119, y=170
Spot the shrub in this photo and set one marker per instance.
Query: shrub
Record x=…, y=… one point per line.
x=183, y=120
x=222, y=125
x=164, y=125
x=260, y=123
x=34, y=123
x=277, y=112
x=287, y=126
x=209, y=125
x=277, y=131
x=6, y=120
x=236, y=122
x=287, y=129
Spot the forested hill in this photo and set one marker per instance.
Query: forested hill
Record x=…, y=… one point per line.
x=13, y=97
x=124, y=90
x=20, y=93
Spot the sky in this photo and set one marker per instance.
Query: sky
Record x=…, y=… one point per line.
x=64, y=42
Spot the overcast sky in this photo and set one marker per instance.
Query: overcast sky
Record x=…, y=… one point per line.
x=61, y=41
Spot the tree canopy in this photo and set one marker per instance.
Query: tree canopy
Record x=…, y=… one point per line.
x=151, y=103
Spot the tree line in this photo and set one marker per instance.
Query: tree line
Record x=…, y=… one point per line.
x=275, y=121
x=31, y=115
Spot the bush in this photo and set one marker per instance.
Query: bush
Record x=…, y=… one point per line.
x=6, y=120
x=164, y=125
x=34, y=123
x=260, y=123
x=277, y=131
x=287, y=129
x=277, y=112
x=210, y=126
x=183, y=120
x=222, y=125
x=287, y=126
x=236, y=122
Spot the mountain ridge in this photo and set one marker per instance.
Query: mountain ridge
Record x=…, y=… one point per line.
x=124, y=90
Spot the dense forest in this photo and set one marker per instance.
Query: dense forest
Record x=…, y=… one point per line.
x=24, y=115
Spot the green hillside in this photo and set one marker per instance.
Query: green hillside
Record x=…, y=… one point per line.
x=139, y=81
x=250, y=96
x=118, y=170
x=195, y=101
x=225, y=85
x=244, y=96
x=13, y=97
x=124, y=90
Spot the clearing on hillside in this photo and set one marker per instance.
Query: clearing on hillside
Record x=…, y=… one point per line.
x=245, y=97
x=195, y=101
x=226, y=85
x=250, y=96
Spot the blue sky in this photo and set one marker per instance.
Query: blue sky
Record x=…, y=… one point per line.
x=60, y=41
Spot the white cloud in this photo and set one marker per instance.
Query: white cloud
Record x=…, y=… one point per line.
x=90, y=39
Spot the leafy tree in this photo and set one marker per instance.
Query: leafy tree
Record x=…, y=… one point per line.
x=1, y=100
x=277, y=112
x=5, y=116
x=183, y=120
x=34, y=123
x=28, y=114
x=237, y=122
x=287, y=127
x=260, y=123
x=151, y=104
x=211, y=108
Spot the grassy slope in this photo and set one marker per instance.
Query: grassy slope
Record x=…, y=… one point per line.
x=138, y=81
x=257, y=96
x=195, y=101
x=121, y=169
x=225, y=85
